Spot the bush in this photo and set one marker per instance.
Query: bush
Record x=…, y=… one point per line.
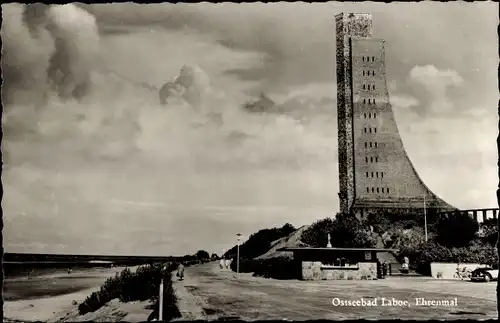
x=456, y=230
x=345, y=231
x=139, y=286
x=276, y=268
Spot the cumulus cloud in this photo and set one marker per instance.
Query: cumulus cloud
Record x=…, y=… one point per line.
x=71, y=156
x=437, y=84
x=48, y=48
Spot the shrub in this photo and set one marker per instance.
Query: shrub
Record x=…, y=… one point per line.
x=345, y=231
x=276, y=268
x=139, y=286
x=456, y=230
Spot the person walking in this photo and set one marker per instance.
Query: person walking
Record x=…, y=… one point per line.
x=180, y=271
x=384, y=269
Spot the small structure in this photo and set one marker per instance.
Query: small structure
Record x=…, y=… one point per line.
x=338, y=263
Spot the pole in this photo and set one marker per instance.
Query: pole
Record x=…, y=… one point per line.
x=238, y=255
x=425, y=220
x=160, y=302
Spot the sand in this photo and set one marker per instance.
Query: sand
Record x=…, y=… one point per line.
x=54, y=297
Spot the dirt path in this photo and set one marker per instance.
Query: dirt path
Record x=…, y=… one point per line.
x=223, y=294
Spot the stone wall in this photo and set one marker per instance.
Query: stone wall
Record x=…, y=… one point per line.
x=447, y=270
x=315, y=270
x=347, y=25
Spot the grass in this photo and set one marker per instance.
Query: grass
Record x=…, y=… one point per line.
x=141, y=285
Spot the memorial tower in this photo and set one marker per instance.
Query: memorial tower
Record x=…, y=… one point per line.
x=374, y=169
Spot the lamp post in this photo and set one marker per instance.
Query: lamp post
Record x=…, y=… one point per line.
x=238, y=254
x=425, y=220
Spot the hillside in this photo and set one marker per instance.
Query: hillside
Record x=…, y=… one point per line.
x=292, y=240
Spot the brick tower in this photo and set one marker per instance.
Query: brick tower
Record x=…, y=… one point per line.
x=374, y=169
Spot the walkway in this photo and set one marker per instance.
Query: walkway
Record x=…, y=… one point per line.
x=220, y=294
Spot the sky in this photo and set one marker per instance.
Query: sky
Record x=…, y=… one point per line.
x=93, y=164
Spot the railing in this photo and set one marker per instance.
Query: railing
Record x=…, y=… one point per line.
x=480, y=215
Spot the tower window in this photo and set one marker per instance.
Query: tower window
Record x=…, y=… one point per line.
x=366, y=174
x=366, y=145
x=376, y=159
x=373, y=87
x=364, y=101
x=369, y=101
x=376, y=174
x=382, y=190
x=388, y=190
x=373, y=58
x=365, y=130
x=370, y=130
x=366, y=159
x=377, y=190
x=374, y=114
x=376, y=145
x=382, y=174
x=370, y=144
x=364, y=87
x=365, y=115
x=374, y=101
x=373, y=189
x=373, y=73
x=371, y=159
x=363, y=58
x=372, y=174
x=375, y=130
x=363, y=73
x=367, y=190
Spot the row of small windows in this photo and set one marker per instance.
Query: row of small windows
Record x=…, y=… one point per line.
x=369, y=87
x=378, y=190
x=367, y=58
x=372, y=144
x=371, y=115
x=370, y=130
x=372, y=73
x=370, y=101
x=376, y=174
x=371, y=159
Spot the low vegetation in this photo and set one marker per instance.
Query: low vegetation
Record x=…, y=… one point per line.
x=277, y=268
x=141, y=285
x=260, y=242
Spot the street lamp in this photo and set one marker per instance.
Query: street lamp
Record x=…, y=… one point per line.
x=238, y=254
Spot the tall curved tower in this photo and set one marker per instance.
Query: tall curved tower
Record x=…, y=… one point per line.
x=374, y=169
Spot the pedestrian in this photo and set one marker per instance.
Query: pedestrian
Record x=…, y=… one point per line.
x=384, y=269
x=379, y=269
x=180, y=271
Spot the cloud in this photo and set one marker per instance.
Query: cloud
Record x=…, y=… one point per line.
x=403, y=101
x=437, y=84
x=69, y=158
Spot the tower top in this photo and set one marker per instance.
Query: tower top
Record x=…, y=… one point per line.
x=354, y=24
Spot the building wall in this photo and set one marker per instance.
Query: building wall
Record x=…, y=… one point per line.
x=312, y=270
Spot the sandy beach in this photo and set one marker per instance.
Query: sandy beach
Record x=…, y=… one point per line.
x=54, y=297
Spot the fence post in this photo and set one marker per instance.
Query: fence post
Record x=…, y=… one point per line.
x=160, y=302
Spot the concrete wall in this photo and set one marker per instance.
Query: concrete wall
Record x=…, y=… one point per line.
x=448, y=270
x=315, y=270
